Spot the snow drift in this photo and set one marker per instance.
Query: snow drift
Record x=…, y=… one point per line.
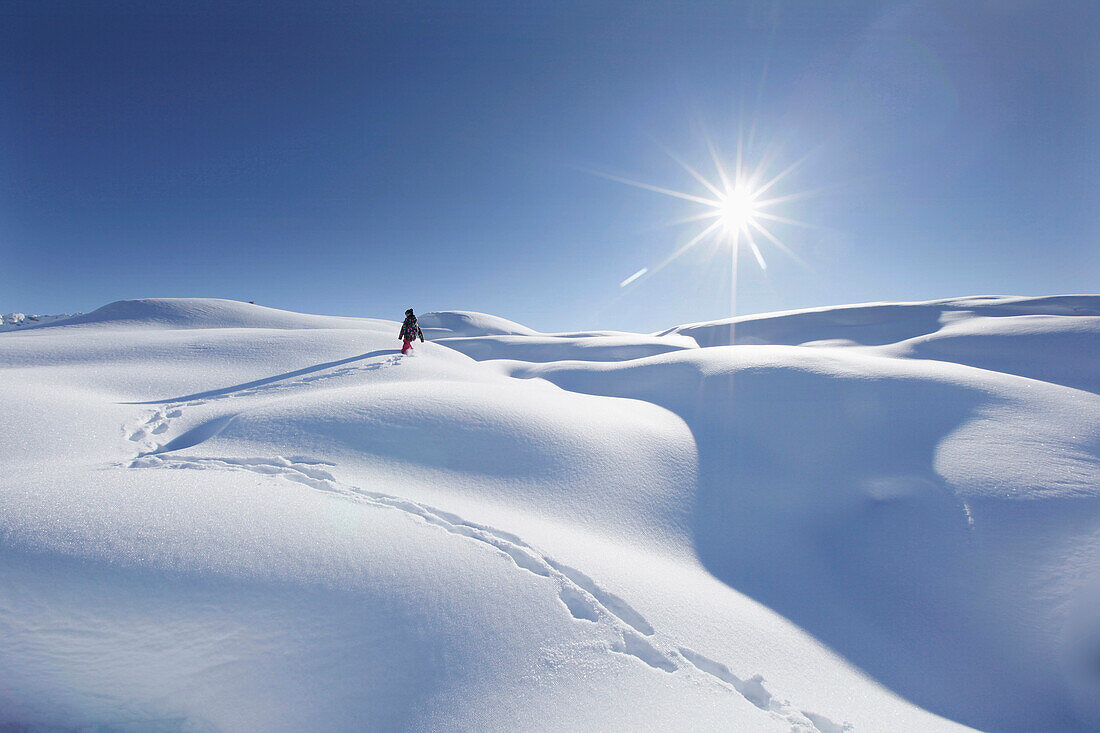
x=215, y=516
x=204, y=313
x=467, y=323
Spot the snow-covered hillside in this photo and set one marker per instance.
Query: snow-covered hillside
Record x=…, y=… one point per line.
x=218, y=516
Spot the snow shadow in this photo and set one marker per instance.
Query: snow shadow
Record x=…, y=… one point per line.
x=268, y=380
x=196, y=435
x=818, y=496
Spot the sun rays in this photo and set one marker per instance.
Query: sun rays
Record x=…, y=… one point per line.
x=737, y=208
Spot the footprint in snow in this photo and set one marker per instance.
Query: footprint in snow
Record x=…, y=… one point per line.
x=582, y=597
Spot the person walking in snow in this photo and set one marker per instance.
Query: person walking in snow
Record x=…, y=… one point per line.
x=410, y=331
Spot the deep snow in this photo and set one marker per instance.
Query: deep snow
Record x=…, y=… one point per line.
x=219, y=516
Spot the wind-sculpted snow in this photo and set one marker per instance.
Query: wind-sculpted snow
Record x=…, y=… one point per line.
x=916, y=507
x=875, y=324
x=1050, y=348
x=217, y=518
x=485, y=337
x=543, y=348
x=208, y=313
x=361, y=697
x=445, y=324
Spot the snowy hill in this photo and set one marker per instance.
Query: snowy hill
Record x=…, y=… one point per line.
x=218, y=516
x=204, y=313
x=879, y=323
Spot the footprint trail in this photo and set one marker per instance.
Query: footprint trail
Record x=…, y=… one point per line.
x=584, y=600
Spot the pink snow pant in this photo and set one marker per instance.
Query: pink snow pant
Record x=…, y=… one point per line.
x=407, y=347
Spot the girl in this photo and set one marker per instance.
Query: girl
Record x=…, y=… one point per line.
x=410, y=331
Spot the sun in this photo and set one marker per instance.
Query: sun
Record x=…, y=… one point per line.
x=736, y=209
x=733, y=210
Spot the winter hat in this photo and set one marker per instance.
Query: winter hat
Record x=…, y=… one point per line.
x=409, y=312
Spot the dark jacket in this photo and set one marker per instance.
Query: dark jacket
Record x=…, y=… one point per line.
x=410, y=330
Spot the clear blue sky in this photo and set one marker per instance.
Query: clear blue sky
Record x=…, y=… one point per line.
x=362, y=158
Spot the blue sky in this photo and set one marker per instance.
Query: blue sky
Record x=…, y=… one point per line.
x=362, y=158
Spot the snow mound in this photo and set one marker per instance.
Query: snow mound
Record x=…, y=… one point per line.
x=874, y=324
x=908, y=513
x=206, y=313
x=444, y=324
x=553, y=347
x=1049, y=348
x=549, y=451
x=484, y=337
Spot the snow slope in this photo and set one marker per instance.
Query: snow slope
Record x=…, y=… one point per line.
x=205, y=313
x=487, y=337
x=216, y=516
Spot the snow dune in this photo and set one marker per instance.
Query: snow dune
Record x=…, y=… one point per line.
x=218, y=516
x=485, y=337
x=1045, y=338
x=872, y=324
x=466, y=323
x=204, y=313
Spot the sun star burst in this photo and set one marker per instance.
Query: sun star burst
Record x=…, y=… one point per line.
x=733, y=211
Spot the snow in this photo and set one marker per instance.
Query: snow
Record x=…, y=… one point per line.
x=553, y=347
x=878, y=323
x=19, y=321
x=220, y=516
x=466, y=323
x=205, y=313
